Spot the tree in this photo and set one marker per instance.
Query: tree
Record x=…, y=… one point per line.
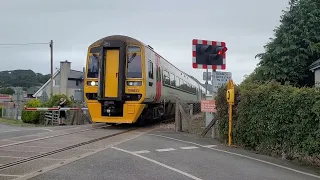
x=296, y=45
x=8, y=91
x=22, y=78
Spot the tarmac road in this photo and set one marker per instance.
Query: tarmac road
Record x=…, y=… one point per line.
x=9, y=131
x=167, y=155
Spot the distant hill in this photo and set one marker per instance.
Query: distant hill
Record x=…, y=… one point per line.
x=22, y=78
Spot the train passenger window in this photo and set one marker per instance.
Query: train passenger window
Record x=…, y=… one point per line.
x=134, y=66
x=166, y=77
x=178, y=82
x=150, y=69
x=183, y=85
x=194, y=90
x=189, y=88
x=172, y=80
x=93, y=66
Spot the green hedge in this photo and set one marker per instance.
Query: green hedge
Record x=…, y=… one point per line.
x=0, y=111
x=55, y=99
x=34, y=117
x=274, y=119
x=31, y=116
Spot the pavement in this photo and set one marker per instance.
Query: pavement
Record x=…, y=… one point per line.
x=167, y=155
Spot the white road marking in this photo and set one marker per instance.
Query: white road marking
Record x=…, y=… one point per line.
x=8, y=175
x=209, y=146
x=38, y=134
x=46, y=169
x=45, y=137
x=17, y=130
x=236, y=154
x=189, y=147
x=12, y=157
x=164, y=150
x=159, y=163
x=141, y=152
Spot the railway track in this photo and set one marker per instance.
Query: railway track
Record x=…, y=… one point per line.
x=89, y=132
x=48, y=137
x=61, y=149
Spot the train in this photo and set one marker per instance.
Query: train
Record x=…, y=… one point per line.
x=128, y=82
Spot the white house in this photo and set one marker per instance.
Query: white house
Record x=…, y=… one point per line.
x=65, y=81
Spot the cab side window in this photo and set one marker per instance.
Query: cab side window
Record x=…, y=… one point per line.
x=150, y=69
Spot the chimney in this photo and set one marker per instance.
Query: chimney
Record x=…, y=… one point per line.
x=64, y=74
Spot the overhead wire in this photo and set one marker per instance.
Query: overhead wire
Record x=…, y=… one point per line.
x=22, y=44
x=11, y=45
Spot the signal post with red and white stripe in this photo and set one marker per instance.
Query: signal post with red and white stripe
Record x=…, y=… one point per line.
x=207, y=55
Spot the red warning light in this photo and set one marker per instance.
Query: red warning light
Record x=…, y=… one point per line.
x=222, y=51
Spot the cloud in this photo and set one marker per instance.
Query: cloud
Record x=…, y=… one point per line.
x=168, y=26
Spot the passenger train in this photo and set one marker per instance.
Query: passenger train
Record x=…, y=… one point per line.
x=128, y=82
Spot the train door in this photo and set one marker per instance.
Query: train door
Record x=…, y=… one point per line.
x=158, y=78
x=112, y=71
x=112, y=58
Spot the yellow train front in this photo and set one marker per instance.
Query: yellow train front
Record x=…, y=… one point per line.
x=115, y=89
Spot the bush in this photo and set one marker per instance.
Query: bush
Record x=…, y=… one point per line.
x=274, y=119
x=55, y=99
x=31, y=116
x=0, y=111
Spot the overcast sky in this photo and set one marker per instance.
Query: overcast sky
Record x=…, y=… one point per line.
x=167, y=25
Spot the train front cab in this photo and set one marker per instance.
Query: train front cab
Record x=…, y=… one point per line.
x=120, y=90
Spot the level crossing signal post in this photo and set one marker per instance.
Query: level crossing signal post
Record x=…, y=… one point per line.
x=230, y=100
x=207, y=55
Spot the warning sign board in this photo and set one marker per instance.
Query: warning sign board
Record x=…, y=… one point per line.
x=208, y=106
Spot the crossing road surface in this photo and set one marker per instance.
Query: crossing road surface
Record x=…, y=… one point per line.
x=166, y=155
x=8, y=131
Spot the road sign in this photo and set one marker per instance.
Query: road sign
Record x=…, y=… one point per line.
x=208, y=54
x=221, y=78
x=208, y=106
x=207, y=76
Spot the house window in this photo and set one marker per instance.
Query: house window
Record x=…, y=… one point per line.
x=56, y=82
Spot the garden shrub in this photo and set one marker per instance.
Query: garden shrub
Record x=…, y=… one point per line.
x=31, y=116
x=55, y=99
x=274, y=119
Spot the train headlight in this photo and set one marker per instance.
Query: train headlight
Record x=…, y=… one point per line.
x=92, y=83
x=134, y=83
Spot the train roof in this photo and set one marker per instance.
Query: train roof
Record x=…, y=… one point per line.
x=130, y=40
x=126, y=39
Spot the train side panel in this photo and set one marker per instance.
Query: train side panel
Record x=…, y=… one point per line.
x=150, y=76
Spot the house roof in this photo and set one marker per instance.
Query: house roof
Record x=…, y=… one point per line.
x=33, y=89
x=72, y=74
x=315, y=65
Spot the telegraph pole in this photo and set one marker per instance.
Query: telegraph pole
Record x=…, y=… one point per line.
x=51, y=60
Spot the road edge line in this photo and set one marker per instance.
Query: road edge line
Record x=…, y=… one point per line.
x=241, y=155
x=158, y=163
